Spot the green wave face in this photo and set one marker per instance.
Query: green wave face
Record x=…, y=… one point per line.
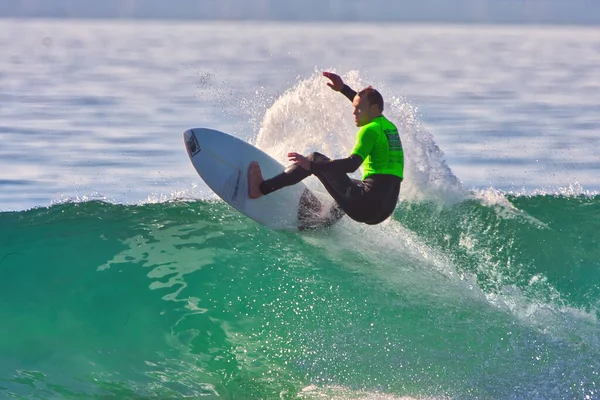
x=191, y=299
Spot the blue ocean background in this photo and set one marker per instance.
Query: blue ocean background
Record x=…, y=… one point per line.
x=125, y=277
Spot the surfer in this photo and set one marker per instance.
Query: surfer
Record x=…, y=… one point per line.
x=370, y=200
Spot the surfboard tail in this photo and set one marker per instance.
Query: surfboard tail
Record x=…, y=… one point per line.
x=312, y=214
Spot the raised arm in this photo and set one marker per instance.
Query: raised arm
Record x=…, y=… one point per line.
x=338, y=85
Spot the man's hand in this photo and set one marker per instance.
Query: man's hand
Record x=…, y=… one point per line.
x=299, y=159
x=336, y=83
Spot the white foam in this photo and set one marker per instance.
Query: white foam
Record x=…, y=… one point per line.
x=342, y=393
x=574, y=189
x=496, y=200
x=80, y=198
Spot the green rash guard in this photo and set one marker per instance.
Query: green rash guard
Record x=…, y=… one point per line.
x=378, y=144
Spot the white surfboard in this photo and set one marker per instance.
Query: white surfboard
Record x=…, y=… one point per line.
x=222, y=161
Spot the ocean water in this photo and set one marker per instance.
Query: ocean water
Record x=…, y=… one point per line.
x=124, y=277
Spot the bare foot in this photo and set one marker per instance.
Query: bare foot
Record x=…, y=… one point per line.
x=255, y=178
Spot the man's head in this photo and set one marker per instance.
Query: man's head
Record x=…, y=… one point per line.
x=368, y=104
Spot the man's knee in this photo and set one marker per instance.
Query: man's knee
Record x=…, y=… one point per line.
x=318, y=157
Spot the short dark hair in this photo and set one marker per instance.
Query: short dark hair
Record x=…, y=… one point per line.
x=373, y=97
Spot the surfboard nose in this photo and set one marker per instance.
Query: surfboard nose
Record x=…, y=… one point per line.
x=191, y=143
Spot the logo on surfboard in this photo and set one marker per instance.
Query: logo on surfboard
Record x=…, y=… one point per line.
x=192, y=144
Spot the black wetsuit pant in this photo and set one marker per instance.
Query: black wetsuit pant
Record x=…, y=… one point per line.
x=370, y=201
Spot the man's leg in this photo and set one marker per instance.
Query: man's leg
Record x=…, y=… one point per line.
x=257, y=186
x=345, y=191
x=387, y=199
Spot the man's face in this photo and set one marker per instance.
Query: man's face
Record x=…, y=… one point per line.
x=362, y=111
